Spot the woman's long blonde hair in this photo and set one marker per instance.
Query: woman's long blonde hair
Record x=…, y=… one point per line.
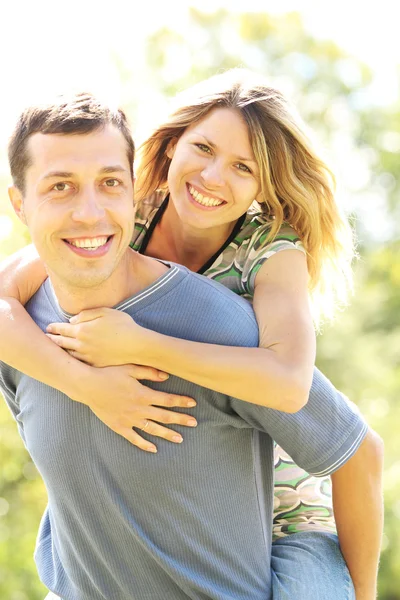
x=297, y=186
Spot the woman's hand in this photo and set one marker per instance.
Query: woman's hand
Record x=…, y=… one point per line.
x=100, y=337
x=122, y=403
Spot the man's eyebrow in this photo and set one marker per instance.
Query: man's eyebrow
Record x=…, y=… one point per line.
x=114, y=169
x=210, y=143
x=68, y=174
x=63, y=174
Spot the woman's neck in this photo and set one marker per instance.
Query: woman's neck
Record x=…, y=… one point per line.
x=189, y=246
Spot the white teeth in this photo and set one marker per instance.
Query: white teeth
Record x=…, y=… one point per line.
x=204, y=200
x=89, y=244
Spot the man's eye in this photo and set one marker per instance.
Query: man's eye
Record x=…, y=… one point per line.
x=112, y=182
x=204, y=148
x=243, y=168
x=62, y=186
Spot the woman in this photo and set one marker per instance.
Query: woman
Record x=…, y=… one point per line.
x=231, y=141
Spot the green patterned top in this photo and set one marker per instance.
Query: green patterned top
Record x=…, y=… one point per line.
x=301, y=502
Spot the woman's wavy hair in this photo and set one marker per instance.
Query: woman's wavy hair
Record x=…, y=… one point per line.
x=297, y=186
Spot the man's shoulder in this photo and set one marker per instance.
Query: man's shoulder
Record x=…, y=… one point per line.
x=218, y=292
x=42, y=307
x=216, y=309
x=188, y=305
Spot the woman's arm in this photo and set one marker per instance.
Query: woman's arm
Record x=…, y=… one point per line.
x=278, y=374
x=22, y=274
x=133, y=405
x=358, y=508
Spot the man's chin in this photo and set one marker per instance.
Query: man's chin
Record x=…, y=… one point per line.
x=86, y=279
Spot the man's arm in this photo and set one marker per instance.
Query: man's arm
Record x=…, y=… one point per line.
x=358, y=508
x=321, y=437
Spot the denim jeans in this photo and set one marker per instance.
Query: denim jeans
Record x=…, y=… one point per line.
x=306, y=566
x=310, y=565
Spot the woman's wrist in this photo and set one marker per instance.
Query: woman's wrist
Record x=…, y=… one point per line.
x=147, y=349
x=132, y=345
x=77, y=383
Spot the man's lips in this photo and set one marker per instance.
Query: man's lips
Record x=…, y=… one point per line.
x=89, y=246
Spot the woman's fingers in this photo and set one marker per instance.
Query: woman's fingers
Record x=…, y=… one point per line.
x=129, y=408
x=88, y=315
x=168, y=417
x=140, y=372
x=68, y=343
x=63, y=329
x=152, y=428
x=137, y=440
x=157, y=398
x=77, y=355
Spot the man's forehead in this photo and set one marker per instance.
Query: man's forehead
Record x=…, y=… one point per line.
x=58, y=151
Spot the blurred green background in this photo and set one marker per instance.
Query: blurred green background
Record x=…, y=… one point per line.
x=356, y=120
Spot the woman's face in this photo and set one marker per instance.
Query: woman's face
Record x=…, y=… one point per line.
x=213, y=177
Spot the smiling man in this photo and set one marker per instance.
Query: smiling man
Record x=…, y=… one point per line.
x=76, y=198
x=122, y=524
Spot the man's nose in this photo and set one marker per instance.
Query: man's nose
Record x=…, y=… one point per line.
x=88, y=207
x=213, y=174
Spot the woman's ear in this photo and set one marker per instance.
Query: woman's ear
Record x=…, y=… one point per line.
x=260, y=198
x=171, y=148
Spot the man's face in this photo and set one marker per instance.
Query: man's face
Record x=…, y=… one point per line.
x=78, y=204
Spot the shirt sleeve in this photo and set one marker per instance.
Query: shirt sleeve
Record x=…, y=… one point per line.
x=259, y=251
x=9, y=391
x=321, y=437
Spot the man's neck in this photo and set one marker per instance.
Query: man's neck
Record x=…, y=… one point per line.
x=134, y=273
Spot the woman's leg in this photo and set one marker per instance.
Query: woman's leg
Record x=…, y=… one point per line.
x=310, y=566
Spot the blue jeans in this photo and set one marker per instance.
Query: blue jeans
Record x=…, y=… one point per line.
x=310, y=565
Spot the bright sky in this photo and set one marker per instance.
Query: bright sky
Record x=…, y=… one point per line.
x=48, y=45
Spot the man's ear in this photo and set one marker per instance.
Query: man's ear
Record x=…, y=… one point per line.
x=133, y=196
x=171, y=148
x=17, y=202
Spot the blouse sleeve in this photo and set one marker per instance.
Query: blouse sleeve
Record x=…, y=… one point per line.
x=259, y=251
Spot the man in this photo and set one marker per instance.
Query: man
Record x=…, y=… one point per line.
x=122, y=524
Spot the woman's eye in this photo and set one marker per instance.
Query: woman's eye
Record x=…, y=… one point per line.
x=204, y=148
x=243, y=168
x=61, y=187
x=112, y=182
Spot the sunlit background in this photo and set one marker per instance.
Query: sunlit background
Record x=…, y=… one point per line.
x=340, y=64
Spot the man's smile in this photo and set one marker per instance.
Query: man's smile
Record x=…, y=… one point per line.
x=93, y=246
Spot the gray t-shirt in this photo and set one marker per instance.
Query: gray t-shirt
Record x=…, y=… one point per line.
x=193, y=521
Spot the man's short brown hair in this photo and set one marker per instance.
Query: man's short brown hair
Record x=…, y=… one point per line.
x=75, y=115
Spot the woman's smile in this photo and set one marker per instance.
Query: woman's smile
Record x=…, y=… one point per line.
x=202, y=200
